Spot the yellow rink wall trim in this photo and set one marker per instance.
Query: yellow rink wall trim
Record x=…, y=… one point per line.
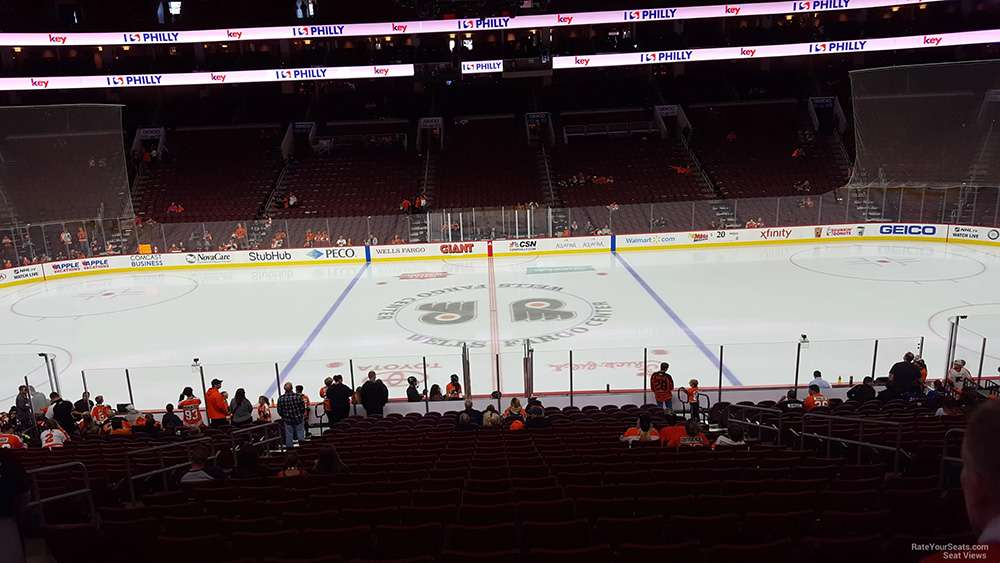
x=694, y=245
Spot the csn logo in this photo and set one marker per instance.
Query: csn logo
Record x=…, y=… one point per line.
x=918, y=230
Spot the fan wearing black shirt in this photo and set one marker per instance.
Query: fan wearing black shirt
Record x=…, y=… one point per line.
x=904, y=375
x=864, y=392
x=789, y=403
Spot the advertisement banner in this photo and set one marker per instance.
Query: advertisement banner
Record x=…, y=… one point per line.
x=962, y=234
x=482, y=67
x=429, y=250
x=551, y=246
x=20, y=274
x=442, y=26
x=908, y=231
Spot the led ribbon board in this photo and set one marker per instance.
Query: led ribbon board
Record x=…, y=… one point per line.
x=443, y=26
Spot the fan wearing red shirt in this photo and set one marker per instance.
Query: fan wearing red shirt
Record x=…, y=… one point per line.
x=101, y=412
x=190, y=408
x=688, y=435
x=662, y=384
x=9, y=440
x=815, y=399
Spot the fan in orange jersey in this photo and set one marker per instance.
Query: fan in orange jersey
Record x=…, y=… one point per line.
x=190, y=408
x=101, y=412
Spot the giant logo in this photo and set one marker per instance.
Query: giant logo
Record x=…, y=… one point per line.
x=913, y=230
x=451, y=316
x=457, y=248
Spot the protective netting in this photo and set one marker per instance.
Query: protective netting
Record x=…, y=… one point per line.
x=63, y=162
x=934, y=125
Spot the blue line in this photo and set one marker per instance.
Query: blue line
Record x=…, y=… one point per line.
x=273, y=388
x=714, y=359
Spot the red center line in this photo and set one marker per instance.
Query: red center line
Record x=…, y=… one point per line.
x=494, y=321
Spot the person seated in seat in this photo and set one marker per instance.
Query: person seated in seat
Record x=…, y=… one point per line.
x=643, y=431
x=732, y=437
x=815, y=399
x=687, y=435
x=790, y=402
x=864, y=392
x=536, y=418
x=200, y=469
x=453, y=391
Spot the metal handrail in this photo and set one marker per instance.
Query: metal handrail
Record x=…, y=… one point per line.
x=86, y=490
x=163, y=470
x=945, y=458
x=779, y=429
x=861, y=433
x=251, y=429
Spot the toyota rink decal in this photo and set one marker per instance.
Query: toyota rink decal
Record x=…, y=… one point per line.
x=451, y=316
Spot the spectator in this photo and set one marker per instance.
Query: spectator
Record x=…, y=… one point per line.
x=291, y=467
x=291, y=409
x=39, y=403
x=200, y=469
x=374, y=395
x=404, y=205
x=536, y=418
x=491, y=418
x=732, y=437
x=936, y=396
x=643, y=431
x=514, y=411
x=87, y=426
x=25, y=412
x=453, y=391
x=215, y=405
x=329, y=463
x=14, y=488
x=101, y=412
x=326, y=402
x=53, y=436
x=339, y=396
x=904, y=375
x=922, y=368
x=687, y=435
x=62, y=412
x=949, y=407
x=248, y=464
x=662, y=384
x=170, y=421
x=413, y=395
x=190, y=408
x=9, y=440
x=465, y=422
x=958, y=378
x=790, y=402
x=84, y=405
x=474, y=415
x=240, y=408
x=819, y=381
x=815, y=399
x=305, y=405
x=435, y=393
x=148, y=425
x=263, y=409
x=862, y=393
x=120, y=427
x=981, y=466
x=692, y=394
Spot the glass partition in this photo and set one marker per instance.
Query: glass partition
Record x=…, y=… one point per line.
x=111, y=383
x=154, y=387
x=769, y=363
x=837, y=360
x=891, y=350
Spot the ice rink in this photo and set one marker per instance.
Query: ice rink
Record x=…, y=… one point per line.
x=251, y=326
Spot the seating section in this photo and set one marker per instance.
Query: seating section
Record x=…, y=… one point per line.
x=215, y=174
x=486, y=163
x=747, y=150
x=415, y=487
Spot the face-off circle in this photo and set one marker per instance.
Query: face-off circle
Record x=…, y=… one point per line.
x=102, y=296
x=888, y=263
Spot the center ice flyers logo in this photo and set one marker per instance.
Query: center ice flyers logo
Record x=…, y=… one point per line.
x=450, y=316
